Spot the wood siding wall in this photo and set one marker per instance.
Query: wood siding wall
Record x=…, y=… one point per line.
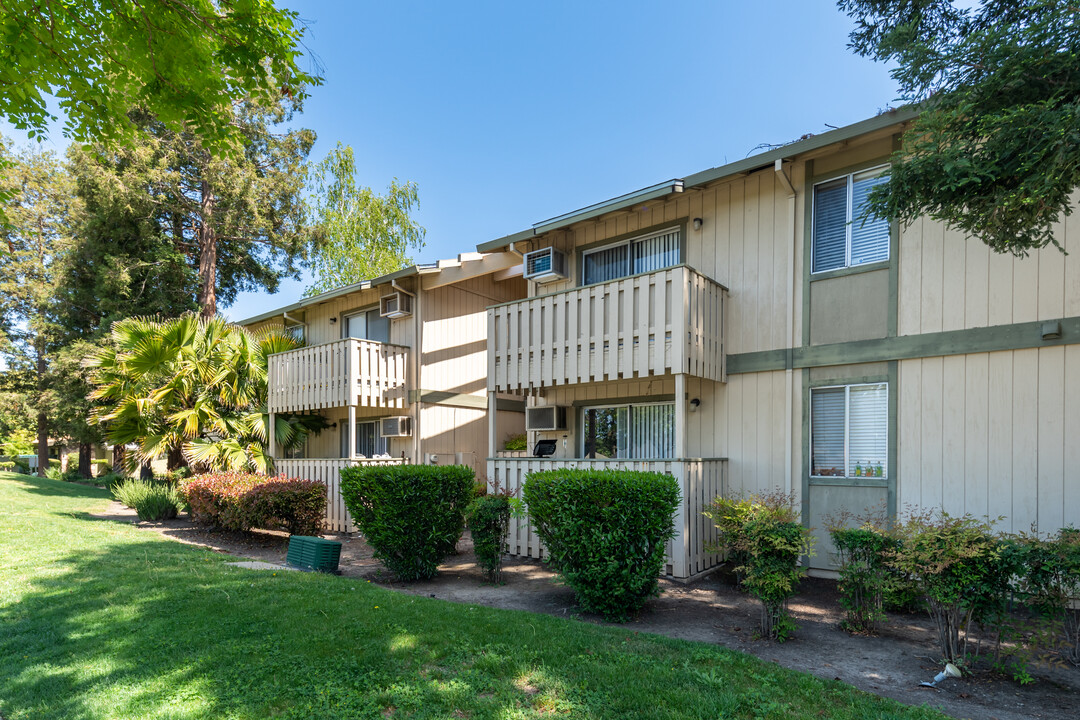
x=993, y=434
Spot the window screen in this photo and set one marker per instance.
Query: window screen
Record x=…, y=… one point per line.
x=843, y=237
x=368, y=325
x=849, y=431
x=653, y=252
x=368, y=441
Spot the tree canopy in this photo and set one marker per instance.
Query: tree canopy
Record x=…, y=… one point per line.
x=186, y=62
x=995, y=151
x=360, y=234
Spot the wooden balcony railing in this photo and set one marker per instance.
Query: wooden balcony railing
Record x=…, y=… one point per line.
x=668, y=321
x=337, y=374
x=700, y=480
x=328, y=472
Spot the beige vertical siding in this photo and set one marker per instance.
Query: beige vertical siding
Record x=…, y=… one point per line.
x=993, y=434
x=948, y=282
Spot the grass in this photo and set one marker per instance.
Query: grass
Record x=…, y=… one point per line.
x=101, y=620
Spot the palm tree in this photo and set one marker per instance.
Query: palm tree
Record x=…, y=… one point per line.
x=192, y=388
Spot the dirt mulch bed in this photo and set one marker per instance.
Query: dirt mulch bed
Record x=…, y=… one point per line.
x=710, y=610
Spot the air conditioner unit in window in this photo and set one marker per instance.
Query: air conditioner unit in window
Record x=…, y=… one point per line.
x=399, y=426
x=544, y=266
x=547, y=417
x=398, y=305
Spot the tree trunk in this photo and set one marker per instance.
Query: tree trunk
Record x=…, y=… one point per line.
x=207, y=254
x=42, y=419
x=42, y=444
x=145, y=472
x=118, y=453
x=85, y=468
x=176, y=458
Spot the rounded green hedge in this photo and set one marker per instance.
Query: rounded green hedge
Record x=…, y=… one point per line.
x=411, y=515
x=605, y=532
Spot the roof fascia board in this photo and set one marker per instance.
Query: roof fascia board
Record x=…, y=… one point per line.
x=754, y=162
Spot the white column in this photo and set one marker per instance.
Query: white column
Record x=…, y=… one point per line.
x=680, y=415
x=493, y=414
x=352, y=432
x=270, y=439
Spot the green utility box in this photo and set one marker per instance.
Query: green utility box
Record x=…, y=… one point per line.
x=314, y=553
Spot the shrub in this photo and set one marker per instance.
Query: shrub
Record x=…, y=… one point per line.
x=764, y=532
x=516, y=443
x=151, y=502
x=1051, y=584
x=489, y=519
x=411, y=515
x=22, y=466
x=7, y=466
x=605, y=532
x=241, y=501
x=863, y=552
x=955, y=563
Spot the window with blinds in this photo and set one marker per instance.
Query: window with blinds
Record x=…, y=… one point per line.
x=639, y=255
x=629, y=431
x=369, y=442
x=849, y=431
x=843, y=236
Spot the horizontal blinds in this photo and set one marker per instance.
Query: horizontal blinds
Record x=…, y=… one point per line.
x=655, y=253
x=869, y=235
x=830, y=226
x=868, y=428
x=827, y=422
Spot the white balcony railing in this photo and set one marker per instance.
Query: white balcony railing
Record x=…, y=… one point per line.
x=700, y=480
x=668, y=321
x=328, y=472
x=337, y=374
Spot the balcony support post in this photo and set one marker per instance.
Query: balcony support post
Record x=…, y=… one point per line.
x=271, y=441
x=493, y=434
x=680, y=415
x=352, y=432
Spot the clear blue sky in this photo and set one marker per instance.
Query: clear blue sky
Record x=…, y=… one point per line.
x=507, y=113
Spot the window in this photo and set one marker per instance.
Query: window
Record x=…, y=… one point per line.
x=629, y=431
x=639, y=255
x=369, y=442
x=367, y=325
x=849, y=431
x=842, y=237
x=296, y=332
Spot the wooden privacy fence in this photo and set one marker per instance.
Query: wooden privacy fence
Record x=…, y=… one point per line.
x=328, y=471
x=700, y=480
x=337, y=374
x=670, y=320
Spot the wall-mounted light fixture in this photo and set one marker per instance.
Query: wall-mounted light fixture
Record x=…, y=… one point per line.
x=1051, y=330
x=698, y=222
x=694, y=405
x=333, y=320
x=333, y=426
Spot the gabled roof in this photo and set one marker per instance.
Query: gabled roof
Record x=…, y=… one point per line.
x=754, y=162
x=464, y=261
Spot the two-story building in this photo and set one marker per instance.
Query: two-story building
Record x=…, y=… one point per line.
x=397, y=367
x=744, y=330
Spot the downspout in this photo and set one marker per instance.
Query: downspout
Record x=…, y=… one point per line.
x=789, y=339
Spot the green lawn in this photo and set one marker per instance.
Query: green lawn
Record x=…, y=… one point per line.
x=101, y=620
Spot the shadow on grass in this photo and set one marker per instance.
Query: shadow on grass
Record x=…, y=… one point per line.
x=110, y=624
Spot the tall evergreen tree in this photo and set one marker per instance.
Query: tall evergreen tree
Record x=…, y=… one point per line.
x=41, y=215
x=236, y=223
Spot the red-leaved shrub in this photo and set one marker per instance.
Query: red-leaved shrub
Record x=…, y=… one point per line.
x=241, y=501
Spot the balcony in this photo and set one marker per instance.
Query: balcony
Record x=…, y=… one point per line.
x=667, y=321
x=338, y=374
x=700, y=480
